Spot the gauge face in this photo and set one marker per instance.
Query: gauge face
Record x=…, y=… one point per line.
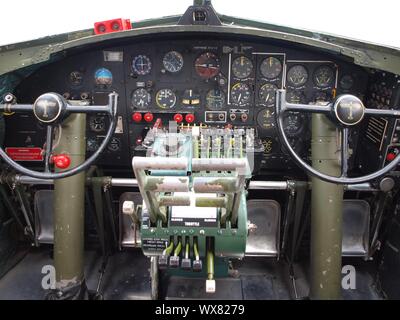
x=173, y=61
x=141, y=65
x=242, y=67
x=322, y=96
x=191, y=98
x=266, y=118
x=271, y=68
x=114, y=145
x=92, y=144
x=297, y=75
x=103, y=77
x=215, y=99
x=267, y=94
x=166, y=99
x=295, y=97
x=324, y=76
x=207, y=65
x=76, y=78
x=268, y=145
x=293, y=123
x=240, y=94
x=97, y=123
x=141, y=98
x=346, y=82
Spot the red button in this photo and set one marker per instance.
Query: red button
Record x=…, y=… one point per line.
x=62, y=161
x=137, y=117
x=390, y=156
x=148, y=117
x=178, y=118
x=189, y=118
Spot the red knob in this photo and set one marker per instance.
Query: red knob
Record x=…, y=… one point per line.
x=189, y=118
x=137, y=117
x=148, y=117
x=390, y=156
x=178, y=118
x=62, y=161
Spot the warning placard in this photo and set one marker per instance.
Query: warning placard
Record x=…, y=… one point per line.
x=25, y=154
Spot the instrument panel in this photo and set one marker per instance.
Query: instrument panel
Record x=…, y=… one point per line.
x=193, y=81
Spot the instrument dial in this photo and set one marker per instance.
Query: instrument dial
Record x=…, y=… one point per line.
x=324, y=76
x=346, y=82
x=215, y=99
x=97, y=123
x=173, y=61
x=114, y=145
x=141, y=65
x=241, y=94
x=271, y=68
x=242, y=67
x=92, y=144
x=141, y=98
x=322, y=96
x=76, y=78
x=207, y=65
x=268, y=145
x=267, y=94
x=293, y=123
x=266, y=118
x=166, y=99
x=297, y=75
x=103, y=77
x=295, y=97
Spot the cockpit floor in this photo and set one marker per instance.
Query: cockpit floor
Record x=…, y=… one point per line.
x=127, y=277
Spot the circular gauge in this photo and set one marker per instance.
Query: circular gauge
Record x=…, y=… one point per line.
x=346, y=82
x=293, y=123
x=268, y=145
x=207, y=65
x=267, y=94
x=76, y=78
x=114, y=145
x=242, y=67
x=92, y=144
x=295, y=97
x=141, y=65
x=141, y=98
x=97, y=123
x=103, y=77
x=215, y=99
x=266, y=118
x=324, y=76
x=271, y=68
x=322, y=96
x=166, y=99
x=297, y=75
x=173, y=61
x=240, y=94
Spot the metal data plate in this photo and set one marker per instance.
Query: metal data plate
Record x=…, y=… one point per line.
x=356, y=218
x=264, y=240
